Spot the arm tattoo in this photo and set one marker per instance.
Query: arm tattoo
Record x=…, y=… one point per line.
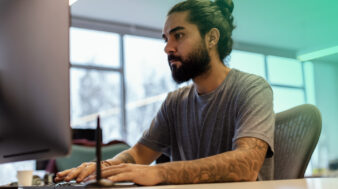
x=242, y=164
x=125, y=157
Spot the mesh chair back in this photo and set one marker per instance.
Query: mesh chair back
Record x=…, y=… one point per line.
x=80, y=154
x=297, y=132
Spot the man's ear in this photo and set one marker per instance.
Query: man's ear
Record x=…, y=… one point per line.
x=212, y=37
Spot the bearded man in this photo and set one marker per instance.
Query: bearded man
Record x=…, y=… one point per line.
x=218, y=129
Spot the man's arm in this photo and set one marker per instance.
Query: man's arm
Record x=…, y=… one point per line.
x=241, y=164
x=138, y=154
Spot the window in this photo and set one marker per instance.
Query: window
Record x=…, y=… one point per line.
x=285, y=71
x=286, y=98
x=8, y=170
x=248, y=62
x=92, y=47
x=286, y=78
x=96, y=92
x=96, y=81
x=101, y=80
x=148, y=80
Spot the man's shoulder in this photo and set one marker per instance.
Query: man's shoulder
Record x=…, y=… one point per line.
x=180, y=93
x=176, y=97
x=244, y=84
x=245, y=79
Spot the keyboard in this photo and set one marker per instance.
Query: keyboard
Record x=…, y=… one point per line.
x=73, y=185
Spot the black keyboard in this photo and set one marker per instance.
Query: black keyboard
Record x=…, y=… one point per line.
x=74, y=185
x=61, y=185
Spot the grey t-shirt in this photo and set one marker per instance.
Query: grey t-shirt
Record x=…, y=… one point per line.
x=190, y=126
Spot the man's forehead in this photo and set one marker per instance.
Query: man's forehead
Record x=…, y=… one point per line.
x=174, y=20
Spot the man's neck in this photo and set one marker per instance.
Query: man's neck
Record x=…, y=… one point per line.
x=213, y=78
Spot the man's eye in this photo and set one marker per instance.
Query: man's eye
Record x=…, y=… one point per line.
x=178, y=35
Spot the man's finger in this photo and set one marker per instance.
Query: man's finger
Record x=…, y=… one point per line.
x=64, y=173
x=58, y=179
x=88, y=170
x=61, y=175
x=128, y=176
x=89, y=178
x=75, y=172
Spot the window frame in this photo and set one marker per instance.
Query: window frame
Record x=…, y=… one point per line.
x=120, y=30
x=303, y=87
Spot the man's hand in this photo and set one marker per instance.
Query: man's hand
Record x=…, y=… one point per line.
x=138, y=154
x=139, y=174
x=81, y=172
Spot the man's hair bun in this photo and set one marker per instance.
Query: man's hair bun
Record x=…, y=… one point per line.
x=226, y=6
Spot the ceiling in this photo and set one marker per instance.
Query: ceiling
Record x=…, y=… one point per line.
x=294, y=25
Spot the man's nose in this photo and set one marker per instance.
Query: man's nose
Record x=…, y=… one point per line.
x=170, y=48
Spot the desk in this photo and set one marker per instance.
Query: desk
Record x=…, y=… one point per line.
x=308, y=183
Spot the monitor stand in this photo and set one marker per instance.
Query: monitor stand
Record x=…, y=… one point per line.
x=99, y=182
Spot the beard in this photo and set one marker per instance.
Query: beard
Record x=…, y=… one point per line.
x=196, y=63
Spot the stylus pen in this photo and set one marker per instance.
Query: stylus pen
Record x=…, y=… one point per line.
x=98, y=150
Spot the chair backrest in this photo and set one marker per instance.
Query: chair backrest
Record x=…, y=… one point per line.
x=80, y=154
x=297, y=131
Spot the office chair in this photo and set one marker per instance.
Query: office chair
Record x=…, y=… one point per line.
x=297, y=131
x=81, y=153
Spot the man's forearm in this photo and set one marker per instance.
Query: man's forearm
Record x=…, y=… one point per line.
x=229, y=166
x=238, y=165
x=124, y=157
x=138, y=154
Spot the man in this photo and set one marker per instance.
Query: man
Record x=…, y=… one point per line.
x=218, y=129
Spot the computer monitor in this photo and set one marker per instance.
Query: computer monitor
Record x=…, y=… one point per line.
x=34, y=79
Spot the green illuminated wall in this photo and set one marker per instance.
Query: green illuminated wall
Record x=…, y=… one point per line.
x=326, y=91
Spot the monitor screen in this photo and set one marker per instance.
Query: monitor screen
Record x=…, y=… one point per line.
x=34, y=79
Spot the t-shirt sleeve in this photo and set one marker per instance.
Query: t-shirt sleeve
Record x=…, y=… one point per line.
x=157, y=135
x=255, y=116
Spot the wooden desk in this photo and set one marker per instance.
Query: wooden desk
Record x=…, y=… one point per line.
x=309, y=183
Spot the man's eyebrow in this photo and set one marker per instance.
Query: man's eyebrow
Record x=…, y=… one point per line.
x=174, y=30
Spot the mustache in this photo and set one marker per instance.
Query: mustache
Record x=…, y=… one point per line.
x=174, y=58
